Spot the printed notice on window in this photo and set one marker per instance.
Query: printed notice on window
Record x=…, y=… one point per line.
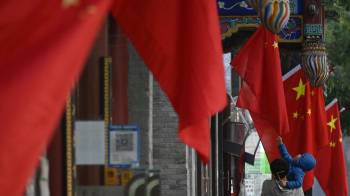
x=123, y=145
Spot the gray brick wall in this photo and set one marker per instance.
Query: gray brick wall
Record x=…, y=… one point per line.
x=138, y=100
x=168, y=151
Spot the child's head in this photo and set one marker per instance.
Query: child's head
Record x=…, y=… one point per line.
x=305, y=161
x=279, y=168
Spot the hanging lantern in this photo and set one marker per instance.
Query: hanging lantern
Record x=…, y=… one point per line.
x=274, y=14
x=314, y=62
x=236, y=130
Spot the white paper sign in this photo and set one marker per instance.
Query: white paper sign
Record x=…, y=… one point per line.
x=89, y=143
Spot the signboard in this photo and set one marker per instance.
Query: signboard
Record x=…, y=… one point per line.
x=123, y=145
x=117, y=177
x=111, y=176
x=237, y=14
x=291, y=33
x=234, y=8
x=89, y=143
x=241, y=8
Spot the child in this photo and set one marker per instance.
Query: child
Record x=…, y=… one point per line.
x=297, y=166
x=279, y=169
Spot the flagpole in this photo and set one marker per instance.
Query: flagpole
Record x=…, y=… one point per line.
x=342, y=110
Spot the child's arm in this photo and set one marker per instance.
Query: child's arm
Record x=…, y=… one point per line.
x=283, y=151
x=298, y=181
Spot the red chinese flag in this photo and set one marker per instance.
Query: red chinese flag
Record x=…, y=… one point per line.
x=331, y=169
x=180, y=43
x=258, y=64
x=43, y=47
x=307, y=118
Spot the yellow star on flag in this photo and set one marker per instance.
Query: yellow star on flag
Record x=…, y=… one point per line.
x=309, y=112
x=69, y=3
x=91, y=9
x=295, y=115
x=331, y=123
x=300, y=89
x=275, y=45
x=332, y=144
x=340, y=139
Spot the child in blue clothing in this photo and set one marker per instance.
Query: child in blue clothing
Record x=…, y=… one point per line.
x=297, y=166
x=272, y=187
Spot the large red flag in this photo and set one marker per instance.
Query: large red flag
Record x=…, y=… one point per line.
x=43, y=47
x=307, y=117
x=180, y=43
x=331, y=169
x=258, y=64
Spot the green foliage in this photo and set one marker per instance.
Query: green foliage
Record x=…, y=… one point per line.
x=337, y=39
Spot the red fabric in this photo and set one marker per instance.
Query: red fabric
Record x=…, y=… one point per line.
x=307, y=129
x=258, y=64
x=43, y=47
x=331, y=169
x=180, y=43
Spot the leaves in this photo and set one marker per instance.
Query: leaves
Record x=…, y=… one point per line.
x=337, y=39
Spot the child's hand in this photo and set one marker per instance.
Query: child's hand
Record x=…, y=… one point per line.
x=279, y=140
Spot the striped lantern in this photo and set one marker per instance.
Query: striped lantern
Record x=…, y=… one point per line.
x=314, y=62
x=274, y=14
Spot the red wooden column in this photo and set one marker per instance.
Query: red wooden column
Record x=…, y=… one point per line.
x=118, y=46
x=89, y=102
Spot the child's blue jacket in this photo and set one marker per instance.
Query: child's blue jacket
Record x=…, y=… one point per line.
x=297, y=167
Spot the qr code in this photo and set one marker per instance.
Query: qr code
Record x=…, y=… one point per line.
x=124, y=142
